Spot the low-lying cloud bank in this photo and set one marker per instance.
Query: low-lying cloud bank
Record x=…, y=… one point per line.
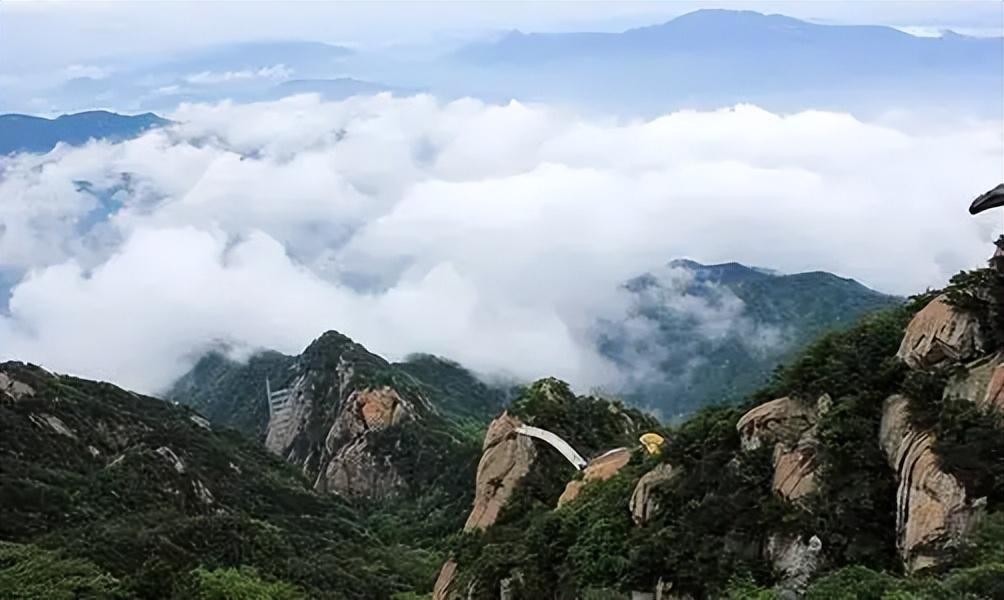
x=495, y=235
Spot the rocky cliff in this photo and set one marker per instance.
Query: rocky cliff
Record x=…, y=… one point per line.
x=514, y=465
x=339, y=411
x=788, y=427
x=506, y=459
x=932, y=510
x=339, y=397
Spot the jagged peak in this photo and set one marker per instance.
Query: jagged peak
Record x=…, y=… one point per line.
x=334, y=344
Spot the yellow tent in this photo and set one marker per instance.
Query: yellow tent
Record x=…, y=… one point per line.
x=653, y=442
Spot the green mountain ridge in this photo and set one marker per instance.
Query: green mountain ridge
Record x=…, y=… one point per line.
x=27, y=133
x=820, y=484
x=145, y=492
x=869, y=467
x=714, y=333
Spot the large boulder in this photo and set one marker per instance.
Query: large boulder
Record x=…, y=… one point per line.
x=14, y=389
x=505, y=459
x=940, y=333
x=788, y=425
x=782, y=420
x=932, y=510
x=600, y=468
x=644, y=500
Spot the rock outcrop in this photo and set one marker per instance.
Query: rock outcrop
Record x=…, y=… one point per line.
x=352, y=468
x=644, y=501
x=14, y=389
x=505, y=459
x=600, y=468
x=788, y=425
x=795, y=560
x=932, y=510
x=940, y=333
x=982, y=382
x=331, y=415
x=795, y=469
x=445, y=585
x=995, y=391
x=779, y=421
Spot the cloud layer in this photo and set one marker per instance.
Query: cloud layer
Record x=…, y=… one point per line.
x=495, y=235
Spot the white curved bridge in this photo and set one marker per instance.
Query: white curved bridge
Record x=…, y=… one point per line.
x=556, y=442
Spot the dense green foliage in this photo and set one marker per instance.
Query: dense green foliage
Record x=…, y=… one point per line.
x=109, y=490
x=232, y=394
x=240, y=584
x=457, y=393
x=28, y=572
x=709, y=534
x=711, y=523
x=107, y=494
x=981, y=293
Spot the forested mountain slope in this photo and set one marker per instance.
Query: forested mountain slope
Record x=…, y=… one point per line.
x=108, y=494
x=871, y=466
x=697, y=335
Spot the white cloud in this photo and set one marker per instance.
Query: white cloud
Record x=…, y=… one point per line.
x=88, y=71
x=274, y=73
x=495, y=235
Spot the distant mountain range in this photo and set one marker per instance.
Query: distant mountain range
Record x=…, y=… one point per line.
x=710, y=334
x=721, y=57
x=25, y=133
x=704, y=59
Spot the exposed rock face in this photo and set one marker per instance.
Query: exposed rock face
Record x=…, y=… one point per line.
x=328, y=423
x=643, y=499
x=795, y=559
x=54, y=423
x=172, y=458
x=14, y=389
x=789, y=425
x=600, y=468
x=446, y=582
x=351, y=468
x=506, y=458
x=940, y=333
x=932, y=511
x=981, y=383
x=795, y=470
x=995, y=390
x=781, y=420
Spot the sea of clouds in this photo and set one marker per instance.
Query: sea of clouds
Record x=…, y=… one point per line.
x=496, y=235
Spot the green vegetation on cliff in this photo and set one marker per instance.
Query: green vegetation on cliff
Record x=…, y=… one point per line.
x=716, y=519
x=133, y=494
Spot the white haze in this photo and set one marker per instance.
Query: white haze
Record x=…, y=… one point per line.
x=494, y=235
